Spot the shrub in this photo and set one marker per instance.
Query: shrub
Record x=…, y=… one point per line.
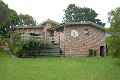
x=6, y=41
x=90, y=52
x=15, y=38
x=14, y=49
x=33, y=45
x=1, y=44
x=17, y=51
x=43, y=43
x=1, y=48
x=29, y=47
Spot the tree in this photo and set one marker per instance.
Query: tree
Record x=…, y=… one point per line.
x=3, y=16
x=3, y=13
x=74, y=13
x=114, y=32
x=11, y=21
x=13, y=18
x=25, y=19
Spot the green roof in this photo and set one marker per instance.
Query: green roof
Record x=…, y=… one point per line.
x=27, y=26
x=85, y=23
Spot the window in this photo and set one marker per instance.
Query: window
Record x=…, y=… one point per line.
x=33, y=34
x=52, y=33
x=61, y=29
x=57, y=30
x=74, y=33
x=86, y=31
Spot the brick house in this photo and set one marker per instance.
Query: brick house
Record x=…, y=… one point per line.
x=79, y=37
x=75, y=38
x=43, y=30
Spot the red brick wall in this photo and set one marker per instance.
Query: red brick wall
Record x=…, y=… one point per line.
x=43, y=31
x=26, y=31
x=47, y=25
x=62, y=41
x=79, y=46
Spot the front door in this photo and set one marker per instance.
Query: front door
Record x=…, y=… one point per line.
x=101, y=51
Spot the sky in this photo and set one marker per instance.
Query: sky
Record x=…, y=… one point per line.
x=53, y=9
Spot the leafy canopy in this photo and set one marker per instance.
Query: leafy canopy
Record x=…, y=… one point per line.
x=3, y=13
x=74, y=13
x=27, y=20
x=114, y=32
x=9, y=18
x=11, y=21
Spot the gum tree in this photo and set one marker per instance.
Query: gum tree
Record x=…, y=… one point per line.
x=114, y=33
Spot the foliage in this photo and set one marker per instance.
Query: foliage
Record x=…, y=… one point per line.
x=11, y=46
x=90, y=52
x=9, y=18
x=1, y=41
x=28, y=47
x=3, y=13
x=1, y=48
x=32, y=46
x=16, y=38
x=26, y=20
x=1, y=44
x=74, y=13
x=6, y=42
x=15, y=43
x=13, y=18
x=3, y=16
x=17, y=51
x=114, y=31
x=11, y=21
x=44, y=43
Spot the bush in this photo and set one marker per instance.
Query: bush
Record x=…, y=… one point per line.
x=6, y=42
x=33, y=46
x=1, y=44
x=17, y=51
x=15, y=38
x=43, y=43
x=1, y=48
x=90, y=52
x=11, y=46
x=29, y=47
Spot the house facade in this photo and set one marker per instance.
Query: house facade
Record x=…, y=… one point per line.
x=75, y=38
x=80, y=37
x=43, y=30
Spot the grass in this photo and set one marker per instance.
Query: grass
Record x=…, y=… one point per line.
x=59, y=68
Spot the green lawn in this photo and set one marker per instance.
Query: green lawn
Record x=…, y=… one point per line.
x=59, y=68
